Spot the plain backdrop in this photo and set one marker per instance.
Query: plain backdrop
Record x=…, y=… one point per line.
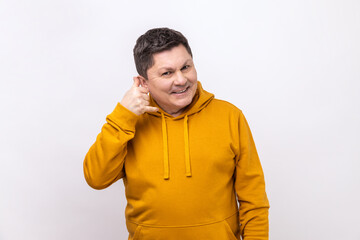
x=292, y=66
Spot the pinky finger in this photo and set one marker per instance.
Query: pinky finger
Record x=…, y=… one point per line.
x=151, y=109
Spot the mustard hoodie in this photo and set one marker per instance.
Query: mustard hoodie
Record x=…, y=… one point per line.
x=183, y=175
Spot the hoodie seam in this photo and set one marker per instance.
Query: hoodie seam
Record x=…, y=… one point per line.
x=181, y=226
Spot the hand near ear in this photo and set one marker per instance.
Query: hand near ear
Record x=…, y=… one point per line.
x=137, y=99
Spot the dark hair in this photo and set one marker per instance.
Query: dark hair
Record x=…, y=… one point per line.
x=153, y=41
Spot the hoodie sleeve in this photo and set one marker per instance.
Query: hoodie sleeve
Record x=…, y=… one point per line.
x=104, y=162
x=250, y=187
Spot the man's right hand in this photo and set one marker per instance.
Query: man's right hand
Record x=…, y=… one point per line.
x=137, y=99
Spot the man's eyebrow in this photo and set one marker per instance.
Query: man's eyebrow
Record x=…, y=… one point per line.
x=171, y=68
x=188, y=61
x=166, y=69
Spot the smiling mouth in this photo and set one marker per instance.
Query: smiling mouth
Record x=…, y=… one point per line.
x=182, y=91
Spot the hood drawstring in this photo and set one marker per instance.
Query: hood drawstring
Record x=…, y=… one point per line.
x=187, y=151
x=166, y=150
x=165, y=146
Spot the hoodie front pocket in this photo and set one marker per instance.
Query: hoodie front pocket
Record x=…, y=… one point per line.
x=231, y=234
x=137, y=233
x=134, y=230
x=233, y=226
x=215, y=231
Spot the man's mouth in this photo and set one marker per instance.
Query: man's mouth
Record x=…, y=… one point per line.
x=181, y=91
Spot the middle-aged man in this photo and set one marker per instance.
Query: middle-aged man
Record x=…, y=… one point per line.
x=185, y=157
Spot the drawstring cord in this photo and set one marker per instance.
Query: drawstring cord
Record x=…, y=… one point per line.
x=187, y=151
x=165, y=146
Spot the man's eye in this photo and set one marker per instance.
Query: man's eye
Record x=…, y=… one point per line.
x=166, y=74
x=185, y=67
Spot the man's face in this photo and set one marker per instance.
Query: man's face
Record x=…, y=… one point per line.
x=172, y=80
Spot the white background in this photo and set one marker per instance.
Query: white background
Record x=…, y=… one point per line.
x=293, y=67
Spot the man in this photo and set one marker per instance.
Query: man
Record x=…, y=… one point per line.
x=185, y=157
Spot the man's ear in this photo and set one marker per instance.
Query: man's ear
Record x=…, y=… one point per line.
x=143, y=81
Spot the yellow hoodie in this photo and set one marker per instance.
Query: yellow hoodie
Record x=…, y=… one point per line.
x=183, y=175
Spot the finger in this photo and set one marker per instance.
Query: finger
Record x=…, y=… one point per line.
x=136, y=82
x=151, y=109
x=145, y=97
x=143, y=90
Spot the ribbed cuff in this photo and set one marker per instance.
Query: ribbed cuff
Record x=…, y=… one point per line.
x=123, y=118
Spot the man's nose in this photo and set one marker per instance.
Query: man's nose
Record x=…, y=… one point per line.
x=180, y=78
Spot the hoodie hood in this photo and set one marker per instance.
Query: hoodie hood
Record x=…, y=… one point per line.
x=201, y=99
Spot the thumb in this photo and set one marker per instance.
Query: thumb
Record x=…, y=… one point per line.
x=136, y=82
x=151, y=109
